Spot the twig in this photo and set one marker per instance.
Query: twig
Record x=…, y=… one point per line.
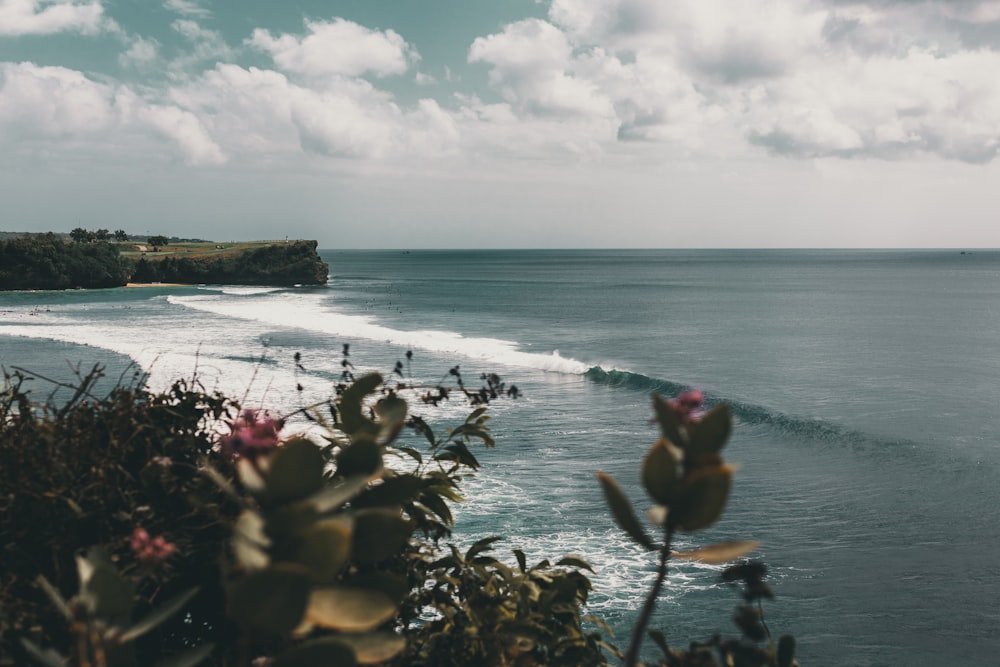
x=632, y=656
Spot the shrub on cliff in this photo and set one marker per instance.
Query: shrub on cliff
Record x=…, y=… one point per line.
x=46, y=262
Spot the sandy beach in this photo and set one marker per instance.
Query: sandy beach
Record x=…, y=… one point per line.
x=157, y=285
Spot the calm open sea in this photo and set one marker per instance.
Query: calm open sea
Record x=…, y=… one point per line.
x=866, y=387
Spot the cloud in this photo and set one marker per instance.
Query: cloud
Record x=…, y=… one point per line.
x=51, y=102
x=187, y=8
x=184, y=128
x=261, y=114
x=529, y=65
x=206, y=45
x=59, y=110
x=801, y=78
x=340, y=47
x=46, y=17
x=884, y=107
x=140, y=53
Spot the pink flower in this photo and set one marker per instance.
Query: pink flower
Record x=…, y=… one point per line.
x=687, y=406
x=150, y=550
x=252, y=434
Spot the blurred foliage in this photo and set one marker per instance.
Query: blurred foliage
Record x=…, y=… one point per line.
x=178, y=528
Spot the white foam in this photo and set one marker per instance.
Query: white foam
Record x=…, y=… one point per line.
x=240, y=291
x=307, y=311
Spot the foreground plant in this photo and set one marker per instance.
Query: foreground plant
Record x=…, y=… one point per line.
x=262, y=546
x=685, y=476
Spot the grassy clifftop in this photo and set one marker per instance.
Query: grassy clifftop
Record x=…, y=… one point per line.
x=256, y=263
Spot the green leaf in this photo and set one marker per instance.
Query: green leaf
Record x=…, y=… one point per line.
x=485, y=544
x=55, y=596
x=574, y=561
x=296, y=472
x=159, y=615
x=378, y=534
x=323, y=549
x=621, y=509
x=702, y=498
x=394, y=586
x=250, y=541
x=659, y=473
x=522, y=562
x=433, y=501
x=409, y=451
x=290, y=520
x=273, y=599
x=336, y=496
x=188, y=658
x=708, y=435
x=395, y=490
x=109, y=593
x=723, y=552
x=349, y=609
x=667, y=420
x=353, y=421
x=361, y=457
x=391, y=411
x=326, y=652
x=374, y=647
x=44, y=657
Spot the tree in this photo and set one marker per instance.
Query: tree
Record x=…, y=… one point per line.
x=80, y=235
x=158, y=240
x=102, y=235
x=121, y=236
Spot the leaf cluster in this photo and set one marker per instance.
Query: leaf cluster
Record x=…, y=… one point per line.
x=329, y=547
x=87, y=473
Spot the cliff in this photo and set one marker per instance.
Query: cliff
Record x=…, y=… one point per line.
x=279, y=263
x=49, y=263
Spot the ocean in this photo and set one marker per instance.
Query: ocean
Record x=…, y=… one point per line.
x=865, y=387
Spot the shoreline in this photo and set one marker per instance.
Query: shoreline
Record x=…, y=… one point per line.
x=133, y=285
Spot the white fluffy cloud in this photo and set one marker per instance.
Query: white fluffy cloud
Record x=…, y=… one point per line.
x=653, y=80
x=60, y=106
x=338, y=47
x=530, y=65
x=802, y=78
x=261, y=114
x=44, y=17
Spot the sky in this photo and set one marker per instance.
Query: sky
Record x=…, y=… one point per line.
x=506, y=123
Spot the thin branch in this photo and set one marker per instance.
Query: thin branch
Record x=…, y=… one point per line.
x=632, y=657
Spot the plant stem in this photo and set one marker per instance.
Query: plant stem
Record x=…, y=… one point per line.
x=632, y=657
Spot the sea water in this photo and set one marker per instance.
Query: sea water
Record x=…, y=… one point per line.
x=865, y=387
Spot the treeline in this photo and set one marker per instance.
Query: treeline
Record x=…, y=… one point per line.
x=47, y=262
x=291, y=263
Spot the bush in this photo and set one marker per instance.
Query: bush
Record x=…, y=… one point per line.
x=236, y=545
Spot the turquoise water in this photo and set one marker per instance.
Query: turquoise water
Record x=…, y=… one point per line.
x=865, y=386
